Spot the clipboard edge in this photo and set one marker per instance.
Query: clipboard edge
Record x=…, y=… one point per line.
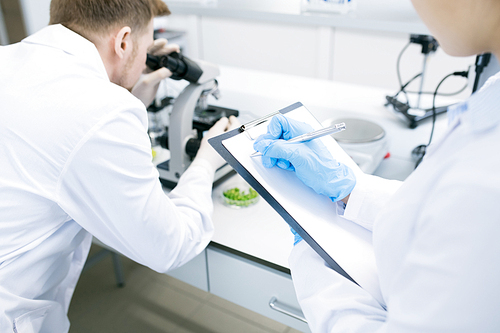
x=216, y=143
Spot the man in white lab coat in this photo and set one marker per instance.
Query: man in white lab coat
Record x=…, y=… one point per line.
x=436, y=236
x=76, y=161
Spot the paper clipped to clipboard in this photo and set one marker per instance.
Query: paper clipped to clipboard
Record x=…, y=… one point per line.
x=344, y=245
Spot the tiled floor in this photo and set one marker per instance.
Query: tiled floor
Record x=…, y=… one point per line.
x=152, y=302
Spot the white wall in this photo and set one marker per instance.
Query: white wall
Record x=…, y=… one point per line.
x=265, y=46
x=352, y=56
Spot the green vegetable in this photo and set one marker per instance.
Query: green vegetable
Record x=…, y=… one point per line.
x=240, y=198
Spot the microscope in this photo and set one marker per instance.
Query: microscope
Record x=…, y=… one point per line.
x=190, y=114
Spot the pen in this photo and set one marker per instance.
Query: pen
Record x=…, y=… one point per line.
x=312, y=135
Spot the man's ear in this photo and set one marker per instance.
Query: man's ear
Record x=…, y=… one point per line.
x=123, y=41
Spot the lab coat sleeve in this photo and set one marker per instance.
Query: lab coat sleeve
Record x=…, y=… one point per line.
x=111, y=188
x=330, y=302
x=448, y=282
x=449, y=279
x=368, y=197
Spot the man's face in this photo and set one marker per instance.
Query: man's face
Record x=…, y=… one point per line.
x=135, y=63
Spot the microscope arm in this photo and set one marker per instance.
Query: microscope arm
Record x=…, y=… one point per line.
x=181, y=118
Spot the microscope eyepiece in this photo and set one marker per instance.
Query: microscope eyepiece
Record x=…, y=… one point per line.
x=182, y=68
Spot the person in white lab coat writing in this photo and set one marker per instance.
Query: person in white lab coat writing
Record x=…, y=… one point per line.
x=76, y=160
x=436, y=235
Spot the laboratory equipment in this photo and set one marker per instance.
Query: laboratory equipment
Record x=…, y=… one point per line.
x=413, y=114
x=190, y=114
x=486, y=65
x=365, y=142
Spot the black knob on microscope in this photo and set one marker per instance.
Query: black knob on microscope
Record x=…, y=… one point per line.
x=163, y=140
x=192, y=147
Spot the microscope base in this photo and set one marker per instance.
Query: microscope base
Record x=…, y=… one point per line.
x=169, y=180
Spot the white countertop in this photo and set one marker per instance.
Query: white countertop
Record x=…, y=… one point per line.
x=381, y=15
x=255, y=230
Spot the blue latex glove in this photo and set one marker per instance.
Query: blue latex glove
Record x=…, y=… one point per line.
x=296, y=237
x=311, y=161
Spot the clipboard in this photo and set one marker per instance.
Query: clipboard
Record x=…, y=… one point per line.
x=345, y=246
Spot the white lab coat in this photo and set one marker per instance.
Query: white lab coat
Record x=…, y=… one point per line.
x=436, y=239
x=76, y=161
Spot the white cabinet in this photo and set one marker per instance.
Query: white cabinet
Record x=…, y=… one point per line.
x=194, y=272
x=254, y=286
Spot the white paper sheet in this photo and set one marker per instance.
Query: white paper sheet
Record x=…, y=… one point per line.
x=347, y=243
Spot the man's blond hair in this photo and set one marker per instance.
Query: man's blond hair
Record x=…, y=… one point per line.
x=97, y=17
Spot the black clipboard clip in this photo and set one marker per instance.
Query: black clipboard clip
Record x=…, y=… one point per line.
x=257, y=122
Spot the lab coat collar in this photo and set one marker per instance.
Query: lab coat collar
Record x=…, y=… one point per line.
x=60, y=37
x=482, y=110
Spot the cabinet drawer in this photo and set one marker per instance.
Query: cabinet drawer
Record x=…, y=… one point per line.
x=193, y=272
x=254, y=286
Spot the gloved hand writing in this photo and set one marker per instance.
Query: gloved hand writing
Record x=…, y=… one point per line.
x=147, y=85
x=311, y=161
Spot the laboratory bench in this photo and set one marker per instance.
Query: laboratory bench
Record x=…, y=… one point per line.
x=247, y=260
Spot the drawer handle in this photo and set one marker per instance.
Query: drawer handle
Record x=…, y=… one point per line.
x=273, y=303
